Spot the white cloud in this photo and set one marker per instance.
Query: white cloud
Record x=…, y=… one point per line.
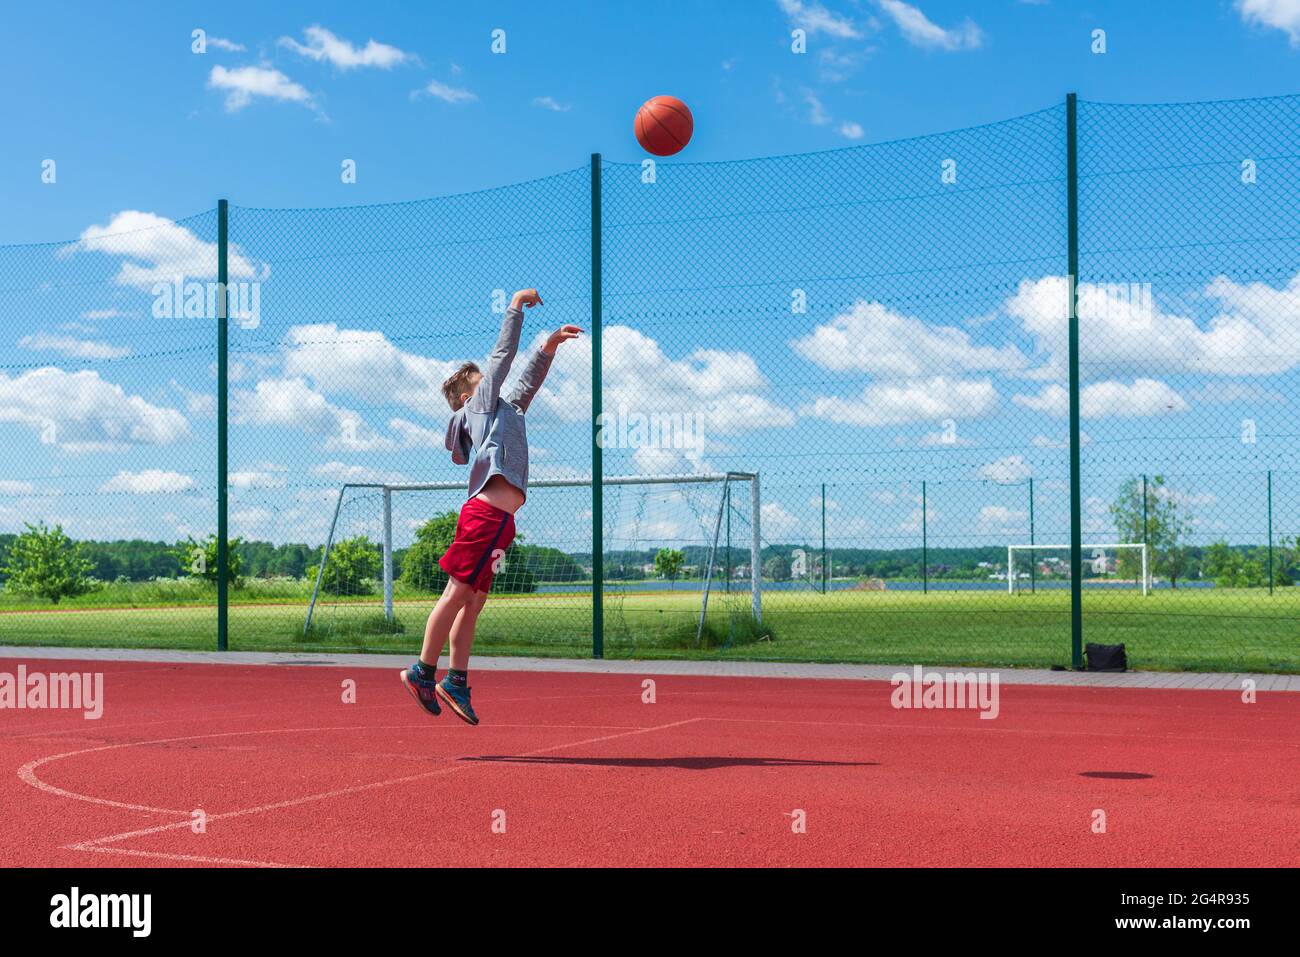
x=244, y=83
x=148, y=482
x=72, y=347
x=813, y=18
x=999, y=518
x=836, y=66
x=916, y=518
x=196, y=403
x=413, y=436
x=657, y=461
x=1006, y=471
x=80, y=411
x=364, y=363
x=343, y=472
x=446, y=93
x=323, y=45
x=155, y=249
x=1252, y=331
x=1110, y=399
x=871, y=337
x=817, y=114
x=725, y=388
x=551, y=103
x=918, y=400
x=919, y=30
x=13, y=487
x=292, y=404
x=268, y=475
x=230, y=46
x=775, y=521
x=1283, y=15
x=852, y=131
x=247, y=520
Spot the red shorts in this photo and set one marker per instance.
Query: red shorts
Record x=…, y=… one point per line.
x=483, y=533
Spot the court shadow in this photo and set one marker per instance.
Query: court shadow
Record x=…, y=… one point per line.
x=1116, y=775
x=684, y=763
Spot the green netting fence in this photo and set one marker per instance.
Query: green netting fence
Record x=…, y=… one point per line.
x=980, y=397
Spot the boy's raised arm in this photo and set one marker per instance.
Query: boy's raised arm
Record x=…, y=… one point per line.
x=503, y=353
x=534, y=373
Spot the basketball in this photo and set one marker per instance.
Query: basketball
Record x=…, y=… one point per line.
x=663, y=125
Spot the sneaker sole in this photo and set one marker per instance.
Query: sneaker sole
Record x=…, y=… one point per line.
x=406, y=683
x=455, y=708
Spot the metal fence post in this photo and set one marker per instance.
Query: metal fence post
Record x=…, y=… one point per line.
x=925, y=544
x=824, y=572
x=1072, y=294
x=1270, y=531
x=1033, y=563
x=388, y=554
x=597, y=473
x=726, y=493
x=223, y=435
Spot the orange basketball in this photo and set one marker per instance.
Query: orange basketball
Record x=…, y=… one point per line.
x=663, y=125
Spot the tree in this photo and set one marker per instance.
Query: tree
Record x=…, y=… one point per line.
x=352, y=566
x=201, y=560
x=43, y=561
x=1234, y=568
x=1166, y=525
x=669, y=562
x=777, y=569
x=420, y=567
x=515, y=575
x=1285, y=561
x=547, y=564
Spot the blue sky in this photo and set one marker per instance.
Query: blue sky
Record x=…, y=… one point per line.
x=929, y=314
x=118, y=98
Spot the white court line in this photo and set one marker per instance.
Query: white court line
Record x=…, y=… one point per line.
x=27, y=773
x=93, y=844
x=194, y=858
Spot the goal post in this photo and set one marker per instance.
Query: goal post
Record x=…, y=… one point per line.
x=710, y=517
x=1098, y=554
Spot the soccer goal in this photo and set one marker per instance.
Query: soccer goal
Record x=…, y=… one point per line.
x=1030, y=567
x=677, y=546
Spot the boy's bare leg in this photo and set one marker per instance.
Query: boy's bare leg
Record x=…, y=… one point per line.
x=462, y=631
x=439, y=626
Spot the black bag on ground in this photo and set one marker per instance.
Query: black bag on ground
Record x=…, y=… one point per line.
x=1106, y=657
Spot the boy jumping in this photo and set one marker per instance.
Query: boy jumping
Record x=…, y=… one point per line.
x=487, y=433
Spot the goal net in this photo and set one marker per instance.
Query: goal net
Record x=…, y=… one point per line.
x=679, y=556
x=1121, y=565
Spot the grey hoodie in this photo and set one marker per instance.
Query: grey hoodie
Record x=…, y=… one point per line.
x=488, y=433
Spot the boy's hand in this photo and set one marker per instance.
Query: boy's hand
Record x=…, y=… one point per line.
x=526, y=297
x=562, y=334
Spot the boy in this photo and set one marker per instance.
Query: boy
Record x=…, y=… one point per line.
x=486, y=432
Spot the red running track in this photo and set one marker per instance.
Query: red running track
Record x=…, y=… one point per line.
x=587, y=774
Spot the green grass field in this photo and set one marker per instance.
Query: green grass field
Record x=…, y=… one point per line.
x=1193, y=629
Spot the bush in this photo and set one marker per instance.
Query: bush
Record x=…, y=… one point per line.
x=200, y=561
x=351, y=568
x=46, y=563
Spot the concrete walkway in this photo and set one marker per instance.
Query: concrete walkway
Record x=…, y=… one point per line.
x=1204, y=681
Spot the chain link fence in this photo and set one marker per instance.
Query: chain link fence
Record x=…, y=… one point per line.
x=107, y=435
x=833, y=414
